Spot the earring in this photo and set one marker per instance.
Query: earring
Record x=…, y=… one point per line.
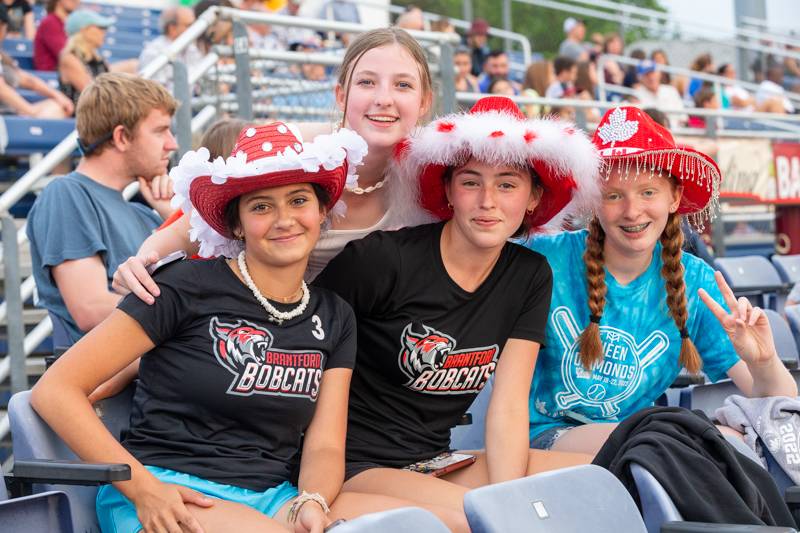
x=529, y=211
x=449, y=206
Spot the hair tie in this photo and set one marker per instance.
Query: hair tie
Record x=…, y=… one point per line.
x=595, y=318
x=684, y=333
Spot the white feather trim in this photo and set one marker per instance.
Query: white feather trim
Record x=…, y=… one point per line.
x=324, y=152
x=563, y=147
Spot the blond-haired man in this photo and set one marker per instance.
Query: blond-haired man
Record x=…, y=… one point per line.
x=80, y=227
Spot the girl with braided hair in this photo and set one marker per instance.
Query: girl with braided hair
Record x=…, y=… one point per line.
x=622, y=327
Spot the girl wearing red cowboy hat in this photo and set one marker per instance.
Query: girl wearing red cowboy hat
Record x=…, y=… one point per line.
x=443, y=307
x=240, y=361
x=384, y=90
x=622, y=327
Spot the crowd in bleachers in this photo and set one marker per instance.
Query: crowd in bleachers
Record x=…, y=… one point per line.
x=441, y=248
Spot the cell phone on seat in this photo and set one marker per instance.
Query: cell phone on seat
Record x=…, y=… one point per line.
x=178, y=255
x=442, y=464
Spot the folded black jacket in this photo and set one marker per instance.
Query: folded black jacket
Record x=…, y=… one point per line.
x=707, y=479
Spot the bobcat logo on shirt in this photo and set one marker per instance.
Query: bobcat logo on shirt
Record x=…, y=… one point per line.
x=246, y=351
x=429, y=358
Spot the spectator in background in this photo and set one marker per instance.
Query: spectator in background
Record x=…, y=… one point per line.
x=443, y=24
x=55, y=104
x=501, y=86
x=791, y=70
x=659, y=57
x=221, y=32
x=772, y=89
x=51, y=36
x=260, y=33
x=80, y=227
x=172, y=22
x=705, y=98
x=80, y=61
x=631, y=79
x=653, y=93
x=19, y=15
x=478, y=42
x=703, y=64
x=496, y=66
x=573, y=46
x=564, y=85
x=738, y=98
x=538, y=78
x=612, y=70
x=411, y=19
x=465, y=81
x=286, y=35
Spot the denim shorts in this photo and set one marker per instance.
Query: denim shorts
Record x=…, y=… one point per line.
x=546, y=439
x=116, y=513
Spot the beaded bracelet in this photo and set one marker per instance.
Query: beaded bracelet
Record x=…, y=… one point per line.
x=301, y=500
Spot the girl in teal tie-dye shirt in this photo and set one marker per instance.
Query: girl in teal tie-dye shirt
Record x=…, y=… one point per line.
x=629, y=310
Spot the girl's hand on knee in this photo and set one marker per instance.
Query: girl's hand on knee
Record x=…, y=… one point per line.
x=311, y=519
x=747, y=326
x=162, y=508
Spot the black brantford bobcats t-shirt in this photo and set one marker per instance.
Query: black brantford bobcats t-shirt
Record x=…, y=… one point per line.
x=426, y=347
x=226, y=394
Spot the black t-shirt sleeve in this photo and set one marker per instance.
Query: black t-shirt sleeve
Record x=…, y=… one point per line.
x=343, y=354
x=364, y=273
x=24, y=5
x=532, y=321
x=3, y=14
x=163, y=319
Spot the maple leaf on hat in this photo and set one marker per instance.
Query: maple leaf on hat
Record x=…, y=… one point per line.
x=618, y=127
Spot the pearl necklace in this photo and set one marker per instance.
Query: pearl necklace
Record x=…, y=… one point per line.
x=278, y=317
x=366, y=190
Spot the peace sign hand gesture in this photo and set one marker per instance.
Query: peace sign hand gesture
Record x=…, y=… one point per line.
x=746, y=326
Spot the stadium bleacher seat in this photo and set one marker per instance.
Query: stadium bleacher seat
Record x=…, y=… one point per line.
x=792, y=313
x=126, y=39
x=24, y=59
x=708, y=397
x=34, y=440
x=472, y=436
x=48, y=76
x=60, y=337
x=752, y=276
x=41, y=512
x=788, y=267
x=144, y=31
x=785, y=342
x=580, y=498
x=31, y=96
x=404, y=520
x=120, y=52
x=21, y=46
x=32, y=135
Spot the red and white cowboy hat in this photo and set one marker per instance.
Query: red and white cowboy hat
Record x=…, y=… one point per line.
x=496, y=132
x=264, y=156
x=636, y=145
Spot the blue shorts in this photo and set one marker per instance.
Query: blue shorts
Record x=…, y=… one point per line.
x=116, y=513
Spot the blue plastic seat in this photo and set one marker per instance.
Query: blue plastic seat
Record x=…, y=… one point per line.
x=784, y=339
x=788, y=267
x=580, y=498
x=24, y=58
x=752, y=276
x=473, y=436
x=48, y=512
x=32, y=135
x=33, y=439
x=793, y=318
x=121, y=52
x=404, y=520
x=21, y=46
